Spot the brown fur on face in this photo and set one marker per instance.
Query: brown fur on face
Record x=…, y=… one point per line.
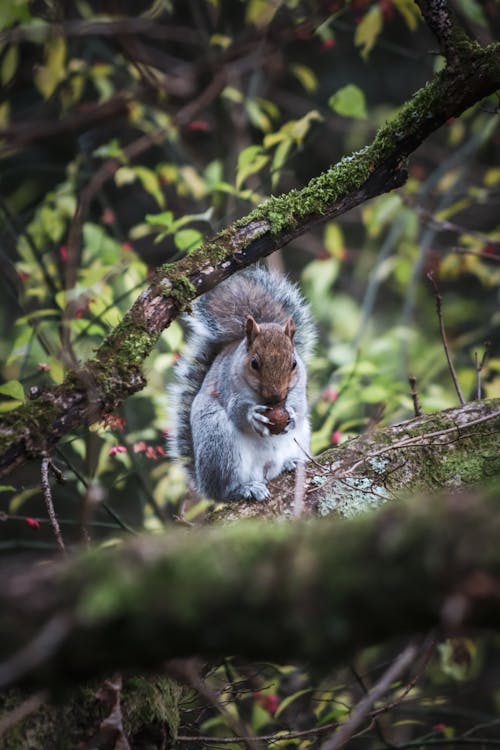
x=269, y=364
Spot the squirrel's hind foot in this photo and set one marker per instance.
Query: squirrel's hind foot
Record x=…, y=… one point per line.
x=252, y=491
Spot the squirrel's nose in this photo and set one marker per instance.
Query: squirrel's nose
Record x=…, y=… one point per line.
x=274, y=399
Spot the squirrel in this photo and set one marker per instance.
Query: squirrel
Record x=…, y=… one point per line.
x=238, y=411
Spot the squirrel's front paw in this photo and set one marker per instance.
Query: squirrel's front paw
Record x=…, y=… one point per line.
x=259, y=421
x=292, y=421
x=253, y=491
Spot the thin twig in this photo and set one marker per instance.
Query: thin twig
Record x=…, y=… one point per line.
x=427, y=442
x=439, y=309
x=428, y=652
x=414, y=395
x=299, y=489
x=311, y=458
x=276, y=737
x=103, y=504
x=362, y=709
x=441, y=742
x=443, y=225
x=188, y=671
x=378, y=727
x=479, y=364
x=47, y=494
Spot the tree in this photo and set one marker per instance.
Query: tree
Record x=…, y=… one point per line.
x=62, y=280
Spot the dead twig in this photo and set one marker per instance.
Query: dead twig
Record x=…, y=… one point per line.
x=414, y=395
x=479, y=364
x=47, y=494
x=439, y=308
x=362, y=710
x=189, y=672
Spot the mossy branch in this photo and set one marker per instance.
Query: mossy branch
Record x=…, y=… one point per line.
x=115, y=372
x=445, y=450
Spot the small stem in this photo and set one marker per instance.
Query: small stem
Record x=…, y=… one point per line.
x=439, y=309
x=414, y=395
x=361, y=711
x=47, y=494
x=479, y=366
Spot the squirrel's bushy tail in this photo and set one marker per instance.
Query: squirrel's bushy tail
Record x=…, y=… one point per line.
x=217, y=319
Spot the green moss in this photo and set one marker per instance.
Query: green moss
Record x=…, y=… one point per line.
x=127, y=346
x=151, y=700
x=145, y=702
x=32, y=422
x=285, y=211
x=183, y=291
x=467, y=468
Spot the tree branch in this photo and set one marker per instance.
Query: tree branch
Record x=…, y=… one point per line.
x=262, y=590
x=452, y=448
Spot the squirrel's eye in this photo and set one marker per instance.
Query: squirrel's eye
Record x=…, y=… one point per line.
x=254, y=363
x=294, y=364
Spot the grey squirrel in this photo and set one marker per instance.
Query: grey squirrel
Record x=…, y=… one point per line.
x=238, y=411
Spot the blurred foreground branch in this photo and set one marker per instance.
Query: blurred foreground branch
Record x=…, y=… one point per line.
x=302, y=590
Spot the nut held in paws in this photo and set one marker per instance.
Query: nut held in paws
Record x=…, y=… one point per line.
x=278, y=418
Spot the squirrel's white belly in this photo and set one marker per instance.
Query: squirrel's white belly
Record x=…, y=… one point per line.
x=263, y=458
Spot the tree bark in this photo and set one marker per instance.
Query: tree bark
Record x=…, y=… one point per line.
x=445, y=450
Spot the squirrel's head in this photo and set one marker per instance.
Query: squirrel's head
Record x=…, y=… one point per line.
x=271, y=361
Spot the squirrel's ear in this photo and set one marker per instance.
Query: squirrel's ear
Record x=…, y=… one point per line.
x=251, y=330
x=289, y=329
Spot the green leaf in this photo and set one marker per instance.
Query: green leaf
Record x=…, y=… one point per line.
x=458, y=658
x=334, y=240
x=373, y=394
x=188, y=239
x=349, y=101
x=151, y=184
x=233, y=94
x=18, y=500
x=473, y=11
x=492, y=177
x=13, y=389
x=290, y=699
x=250, y=161
x=4, y=114
x=410, y=12
x=248, y=156
x=305, y=76
x=381, y=212
x=220, y=40
x=11, y=11
x=9, y=64
x=261, y=12
x=368, y=30
x=258, y=116
x=47, y=77
x=279, y=158
x=165, y=219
